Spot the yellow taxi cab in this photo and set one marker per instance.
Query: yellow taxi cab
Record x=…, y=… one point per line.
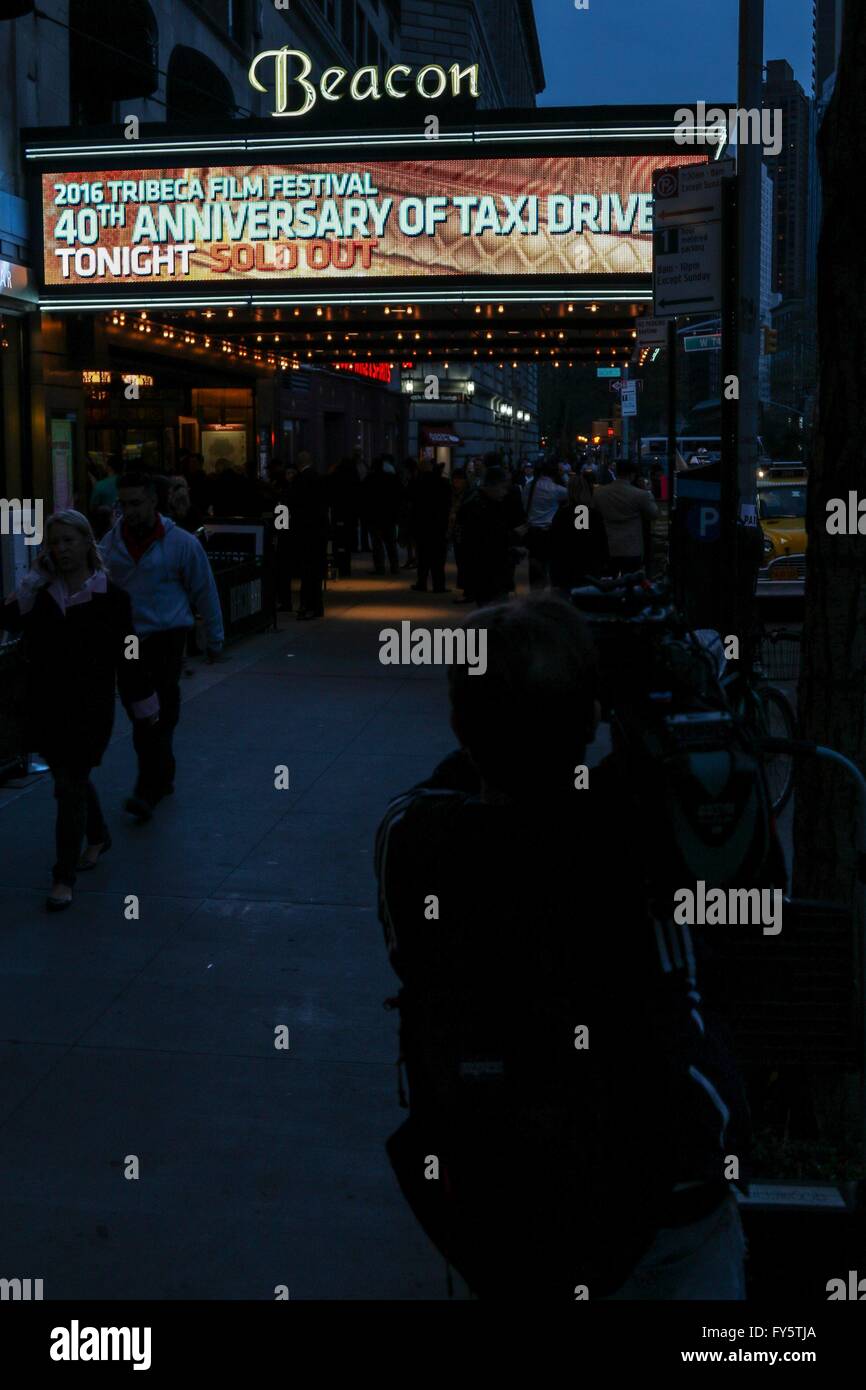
x=781, y=491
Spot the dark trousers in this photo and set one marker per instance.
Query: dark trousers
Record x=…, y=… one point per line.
x=343, y=532
x=311, y=564
x=431, y=561
x=384, y=537
x=78, y=814
x=284, y=570
x=162, y=655
x=538, y=545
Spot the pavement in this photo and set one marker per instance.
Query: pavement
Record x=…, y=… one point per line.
x=153, y=1035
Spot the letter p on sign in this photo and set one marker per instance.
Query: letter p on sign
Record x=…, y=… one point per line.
x=708, y=523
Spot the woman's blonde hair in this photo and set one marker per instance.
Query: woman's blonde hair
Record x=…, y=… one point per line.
x=44, y=563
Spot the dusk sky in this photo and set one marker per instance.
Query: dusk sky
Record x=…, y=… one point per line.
x=632, y=51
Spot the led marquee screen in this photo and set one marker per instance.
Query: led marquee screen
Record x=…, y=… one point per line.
x=404, y=219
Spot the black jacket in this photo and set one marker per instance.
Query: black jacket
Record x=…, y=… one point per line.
x=74, y=660
x=431, y=506
x=381, y=499
x=308, y=507
x=576, y=555
x=572, y=1167
x=486, y=541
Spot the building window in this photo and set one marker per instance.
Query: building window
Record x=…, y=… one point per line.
x=361, y=28
x=347, y=23
x=197, y=89
x=113, y=54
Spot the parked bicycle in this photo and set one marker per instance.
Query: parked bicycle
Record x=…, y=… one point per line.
x=763, y=708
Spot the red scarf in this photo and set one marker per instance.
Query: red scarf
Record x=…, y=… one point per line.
x=138, y=545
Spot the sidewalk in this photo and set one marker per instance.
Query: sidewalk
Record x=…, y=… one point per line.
x=155, y=1037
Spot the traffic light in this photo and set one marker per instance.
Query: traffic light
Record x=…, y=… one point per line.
x=771, y=341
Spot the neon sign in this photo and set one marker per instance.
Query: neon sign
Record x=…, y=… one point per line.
x=429, y=82
x=376, y=371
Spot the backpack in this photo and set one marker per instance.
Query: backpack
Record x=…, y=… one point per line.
x=502, y=1158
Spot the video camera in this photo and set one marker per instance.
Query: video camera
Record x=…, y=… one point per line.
x=698, y=782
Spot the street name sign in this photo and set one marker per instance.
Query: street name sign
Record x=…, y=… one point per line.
x=703, y=342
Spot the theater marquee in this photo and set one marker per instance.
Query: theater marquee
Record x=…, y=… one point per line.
x=517, y=207
x=397, y=219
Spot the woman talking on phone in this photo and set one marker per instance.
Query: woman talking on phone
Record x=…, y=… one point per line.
x=76, y=625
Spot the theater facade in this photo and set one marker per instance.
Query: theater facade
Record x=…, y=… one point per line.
x=389, y=271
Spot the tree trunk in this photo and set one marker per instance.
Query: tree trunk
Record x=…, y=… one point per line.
x=832, y=691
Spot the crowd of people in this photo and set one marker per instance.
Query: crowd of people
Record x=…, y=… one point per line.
x=133, y=568
x=490, y=514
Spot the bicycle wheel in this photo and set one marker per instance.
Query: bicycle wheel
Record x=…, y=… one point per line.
x=775, y=719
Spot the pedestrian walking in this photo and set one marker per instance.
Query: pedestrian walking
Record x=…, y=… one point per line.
x=578, y=539
x=624, y=509
x=308, y=523
x=430, y=511
x=167, y=576
x=76, y=626
x=405, y=534
x=344, y=503
x=282, y=482
x=380, y=507
x=541, y=498
x=488, y=539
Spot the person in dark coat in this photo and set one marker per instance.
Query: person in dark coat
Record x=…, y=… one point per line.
x=405, y=535
x=343, y=499
x=431, y=508
x=381, y=498
x=76, y=627
x=308, y=525
x=488, y=539
x=283, y=481
x=578, y=539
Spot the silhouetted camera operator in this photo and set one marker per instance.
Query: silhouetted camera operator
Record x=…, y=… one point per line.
x=572, y=1117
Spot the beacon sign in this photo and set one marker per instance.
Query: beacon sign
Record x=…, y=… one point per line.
x=290, y=68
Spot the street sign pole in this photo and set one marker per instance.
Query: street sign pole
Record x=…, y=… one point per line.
x=749, y=162
x=673, y=559
x=625, y=419
x=729, y=615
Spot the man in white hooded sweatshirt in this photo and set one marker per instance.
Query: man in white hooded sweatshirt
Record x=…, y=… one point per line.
x=166, y=573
